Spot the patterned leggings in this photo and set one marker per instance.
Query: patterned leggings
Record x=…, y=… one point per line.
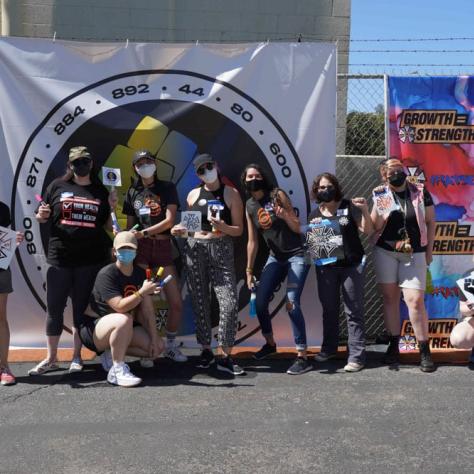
x=210, y=264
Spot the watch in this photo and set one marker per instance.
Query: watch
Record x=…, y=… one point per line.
x=145, y=234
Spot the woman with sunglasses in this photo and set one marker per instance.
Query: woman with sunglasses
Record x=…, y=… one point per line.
x=269, y=213
x=344, y=274
x=404, y=239
x=153, y=203
x=209, y=257
x=77, y=206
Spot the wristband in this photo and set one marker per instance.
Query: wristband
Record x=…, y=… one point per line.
x=249, y=270
x=137, y=293
x=146, y=234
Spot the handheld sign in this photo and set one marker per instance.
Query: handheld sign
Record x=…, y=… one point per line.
x=111, y=176
x=7, y=246
x=191, y=220
x=466, y=285
x=324, y=241
x=384, y=202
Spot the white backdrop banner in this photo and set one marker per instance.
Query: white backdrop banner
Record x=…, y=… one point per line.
x=273, y=104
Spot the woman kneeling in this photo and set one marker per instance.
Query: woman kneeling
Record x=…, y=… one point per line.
x=124, y=320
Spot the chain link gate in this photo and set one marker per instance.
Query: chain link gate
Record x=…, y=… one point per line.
x=362, y=141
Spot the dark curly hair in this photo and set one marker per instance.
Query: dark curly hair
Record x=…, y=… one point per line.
x=333, y=180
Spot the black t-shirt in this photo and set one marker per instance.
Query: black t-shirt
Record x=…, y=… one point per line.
x=79, y=214
x=216, y=202
x=393, y=230
x=155, y=198
x=111, y=282
x=348, y=217
x=5, y=219
x=280, y=239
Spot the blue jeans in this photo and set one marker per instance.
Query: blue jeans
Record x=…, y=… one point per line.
x=273, y=274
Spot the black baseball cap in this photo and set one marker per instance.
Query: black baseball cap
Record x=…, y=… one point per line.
x=202, y=160
x=142, y=154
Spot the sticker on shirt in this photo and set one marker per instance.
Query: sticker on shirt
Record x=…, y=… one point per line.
x=153, y=202
x=66, y=195
x=191, y=220
x=144, y=216
x=79, y=212
x=202, y=202
x=343, y=221
x=342, y=212
x=214, y=209
x=384, y=202
x=264, y=218
x=324, y=241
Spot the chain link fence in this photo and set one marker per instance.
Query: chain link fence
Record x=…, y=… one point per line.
x=357, y=169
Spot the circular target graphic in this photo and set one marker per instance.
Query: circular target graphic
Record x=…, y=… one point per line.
x=174, y=114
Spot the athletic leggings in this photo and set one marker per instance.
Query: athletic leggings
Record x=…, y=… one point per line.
x=210, y=264
x=61, y=282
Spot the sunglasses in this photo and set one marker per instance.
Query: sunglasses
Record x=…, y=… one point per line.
x=202, y=169
x=82, y=161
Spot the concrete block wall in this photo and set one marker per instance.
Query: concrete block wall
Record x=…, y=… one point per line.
x=187, y=20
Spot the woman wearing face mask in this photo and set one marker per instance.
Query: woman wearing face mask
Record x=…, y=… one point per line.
x=404, y=245
x=345, y=274
x=209, y=257
x=270, y=213
x=153, y=203
x=121, y=319
x=77, y=207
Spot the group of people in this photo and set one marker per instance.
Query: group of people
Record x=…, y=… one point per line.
x=112, y=305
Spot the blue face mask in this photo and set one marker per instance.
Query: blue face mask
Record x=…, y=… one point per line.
x=126, y=255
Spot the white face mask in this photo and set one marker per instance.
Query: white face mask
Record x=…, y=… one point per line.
x=146, y=171
x=210, y=176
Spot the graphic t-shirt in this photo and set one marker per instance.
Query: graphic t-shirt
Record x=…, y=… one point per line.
x=149, y=204
x=78, y=216
x=393, y=231
x=347, y=217
x=280, y=239
x=111, y=282
x=5, y=219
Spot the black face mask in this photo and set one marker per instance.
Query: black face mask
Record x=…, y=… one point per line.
x=81, y=169
x=397, y=179
x=327, y=195
x=255, y=185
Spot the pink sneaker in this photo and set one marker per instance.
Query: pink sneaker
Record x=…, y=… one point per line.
x=6, y=377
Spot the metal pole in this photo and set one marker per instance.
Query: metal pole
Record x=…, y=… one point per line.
x=10, y=18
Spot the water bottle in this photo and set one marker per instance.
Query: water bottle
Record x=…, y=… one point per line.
x=253, y=303
x=253, y=299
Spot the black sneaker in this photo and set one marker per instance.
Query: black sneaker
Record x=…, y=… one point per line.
x=299, y=366
x=265, y=351
x=206, y=359
x=392, y=355
x=226, y=364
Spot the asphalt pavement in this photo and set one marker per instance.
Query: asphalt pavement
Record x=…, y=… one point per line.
x=187, y=420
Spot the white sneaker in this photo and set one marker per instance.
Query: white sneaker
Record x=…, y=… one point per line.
x=43, y=367
x=353, y=367
x=106, y=360
x=147, y=363
x=76, y=365
x=120, y=374
x=173, y=352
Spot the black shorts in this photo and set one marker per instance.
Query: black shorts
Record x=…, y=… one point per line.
x=6, y=281
x=86, y=333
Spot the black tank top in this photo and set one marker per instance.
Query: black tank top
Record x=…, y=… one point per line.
x=280, y=239
x=213, y=203
x=353, y=250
